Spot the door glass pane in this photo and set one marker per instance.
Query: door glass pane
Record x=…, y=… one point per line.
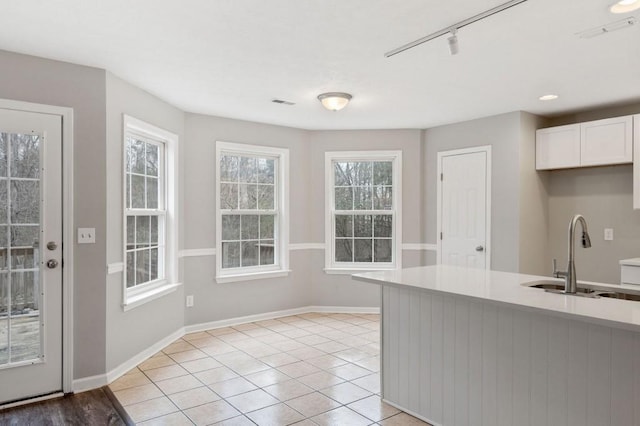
x=4, y=318
x=3, y=200
x=25, y=156
x=4, y=140
x=20, y=297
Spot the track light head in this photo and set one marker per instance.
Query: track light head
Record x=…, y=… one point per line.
x=453, y=42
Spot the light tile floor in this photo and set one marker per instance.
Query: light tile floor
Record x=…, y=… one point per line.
x=309, y=369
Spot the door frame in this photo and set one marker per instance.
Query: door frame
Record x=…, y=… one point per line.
x=66, y=115
x=471, y=150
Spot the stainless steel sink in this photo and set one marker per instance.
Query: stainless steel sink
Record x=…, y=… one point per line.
x=621, y=296
x=588, y=290
x=559, y=287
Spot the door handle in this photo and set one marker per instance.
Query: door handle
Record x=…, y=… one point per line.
x=52, y=263
x=479, y=248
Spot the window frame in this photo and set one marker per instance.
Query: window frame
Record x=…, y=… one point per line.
x=167, y=218
x=280, y=267
x=332, y=267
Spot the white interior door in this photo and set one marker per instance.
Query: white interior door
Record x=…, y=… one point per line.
x=464, y=207
x=30, y=254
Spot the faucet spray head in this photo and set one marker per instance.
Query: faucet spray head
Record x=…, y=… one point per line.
x=586, y=241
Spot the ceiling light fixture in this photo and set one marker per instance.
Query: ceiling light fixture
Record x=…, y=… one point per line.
x=625, y=6
x=608, y=28
x=457, y=26
x=334, y=101
x=549, y=97
x=453, y=42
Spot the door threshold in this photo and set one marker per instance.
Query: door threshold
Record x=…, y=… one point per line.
x=31, y=400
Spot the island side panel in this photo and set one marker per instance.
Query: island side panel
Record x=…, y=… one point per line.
x=452, y=360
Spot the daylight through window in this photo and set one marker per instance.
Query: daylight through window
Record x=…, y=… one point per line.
x=145, y=210
x=362, y=210
x=250, y=210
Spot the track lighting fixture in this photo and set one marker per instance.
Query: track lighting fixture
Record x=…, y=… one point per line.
x=453, y=42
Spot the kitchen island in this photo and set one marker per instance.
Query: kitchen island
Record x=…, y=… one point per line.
x=467, y=346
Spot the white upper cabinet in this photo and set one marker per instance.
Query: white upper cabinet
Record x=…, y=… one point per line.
x=607, y=141
x=558, y=147
x=594, y=143
x=636, y=161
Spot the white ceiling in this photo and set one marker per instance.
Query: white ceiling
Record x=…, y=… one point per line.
x=230, y=58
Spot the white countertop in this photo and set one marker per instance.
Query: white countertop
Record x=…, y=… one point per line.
x=631, y=262
x=508, y=288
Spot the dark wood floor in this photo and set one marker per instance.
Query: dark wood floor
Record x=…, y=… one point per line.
x=88, y=408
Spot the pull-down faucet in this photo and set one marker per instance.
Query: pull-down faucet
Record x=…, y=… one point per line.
x=570, y=281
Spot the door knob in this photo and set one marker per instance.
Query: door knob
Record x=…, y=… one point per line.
x=479, y=248
x=52, y=263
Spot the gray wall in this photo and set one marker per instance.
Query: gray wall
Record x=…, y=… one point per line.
x=503, y=133
x=215, y=301
x=604, y=195
x=341, y=290
x=130, y=332
x=534, y=202
x=307, y=284
x=31, y=79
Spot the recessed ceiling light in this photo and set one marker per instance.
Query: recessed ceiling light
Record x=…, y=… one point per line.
x=548, y=97
x=624, y=6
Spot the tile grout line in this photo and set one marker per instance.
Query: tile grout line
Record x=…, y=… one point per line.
x=303, y=323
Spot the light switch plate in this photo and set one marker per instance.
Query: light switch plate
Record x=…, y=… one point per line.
x=86, y=235
x=608, y=234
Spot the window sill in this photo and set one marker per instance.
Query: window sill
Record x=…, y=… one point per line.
x=148, y=296
x=252, y=276
x=350, y=271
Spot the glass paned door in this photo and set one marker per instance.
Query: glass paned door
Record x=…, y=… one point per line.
x=20, y=334
x=30, y=254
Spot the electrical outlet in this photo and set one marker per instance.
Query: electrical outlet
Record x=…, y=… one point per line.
x=608, y=234
x=190, y=301
x=86, y=235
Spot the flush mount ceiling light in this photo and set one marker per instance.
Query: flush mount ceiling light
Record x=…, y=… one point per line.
x=548, y=97
x=334, y=101
x=456, y=27
x=625, y=6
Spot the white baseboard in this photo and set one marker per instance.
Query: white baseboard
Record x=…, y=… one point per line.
x=88, y=383
x=242, y=320
x=143, y=355
x=344, y=309
x=278, y=314
x=93, y=382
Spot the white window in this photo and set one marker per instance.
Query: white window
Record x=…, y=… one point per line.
x=150, y=237
x=251, y=212
x=363, y=217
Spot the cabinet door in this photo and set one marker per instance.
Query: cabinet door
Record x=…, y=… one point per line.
x=636, y=161
x=558, y=147
x=607, y=141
